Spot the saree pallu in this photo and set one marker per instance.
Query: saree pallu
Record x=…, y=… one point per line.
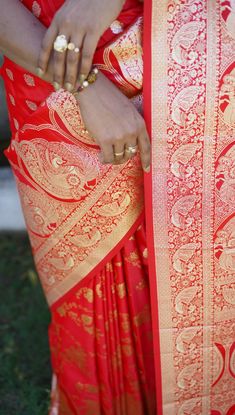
x=189, y=52
x=86, y=221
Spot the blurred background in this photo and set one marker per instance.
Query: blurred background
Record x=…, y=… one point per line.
x=24, y=316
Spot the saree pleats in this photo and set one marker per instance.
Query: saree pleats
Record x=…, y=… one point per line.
x=101, y=339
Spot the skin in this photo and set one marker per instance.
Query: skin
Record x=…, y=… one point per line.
x=114, y=129
x=82, y=22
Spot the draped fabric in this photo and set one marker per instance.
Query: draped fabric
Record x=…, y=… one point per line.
x=189, y=108
x=87, y=231
x=114, y=353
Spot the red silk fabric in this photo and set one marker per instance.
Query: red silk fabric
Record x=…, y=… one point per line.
x=189, y=55
x=100, y=332
x=86, y=223
x=101, y=340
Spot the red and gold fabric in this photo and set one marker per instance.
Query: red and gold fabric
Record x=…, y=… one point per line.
x=114, y=350
x=189, y=107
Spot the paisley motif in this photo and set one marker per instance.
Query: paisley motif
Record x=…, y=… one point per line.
x=117, y=205
x=88, y=238
x=184, y=299
x=181, y=158
x=191, y=406
x=41, y=214
x=183, y=41
x=182, y=257
x=59, y=168
x=186, y=378
x=183, y=103
x=184, y=341
x=180, y=215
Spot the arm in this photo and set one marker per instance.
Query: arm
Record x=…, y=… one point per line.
x=21, y=35
x=109, y=116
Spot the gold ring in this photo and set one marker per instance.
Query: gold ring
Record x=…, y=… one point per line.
x=60, y=44
x=119, y=154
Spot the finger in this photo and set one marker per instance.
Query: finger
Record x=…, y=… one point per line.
x=88, y=50
x=107, y=154
x=145, y=150
x=59, y=64
x=119, y=152
x=46, y=49
x=72, y=61
x=131, y=148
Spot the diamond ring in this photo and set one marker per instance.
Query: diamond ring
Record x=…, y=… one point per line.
x=60, y=44
x=131, y=149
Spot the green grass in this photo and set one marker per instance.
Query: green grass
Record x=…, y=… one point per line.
x=24, y=317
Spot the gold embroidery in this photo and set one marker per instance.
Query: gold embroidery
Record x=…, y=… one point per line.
x=29, y=80
x=128, y=51
x=71, y=188
x=36, y=9
x=31, y=105
x=133, y=258
x=141, y=285
x=121, y=290
x=142, y=317
x=87, y=293
x=58, y=167
x=98, y=290
x=183, y=41
x=145, y=253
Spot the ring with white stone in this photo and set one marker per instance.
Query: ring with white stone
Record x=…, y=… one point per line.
x=131, y=149
x=61, y=44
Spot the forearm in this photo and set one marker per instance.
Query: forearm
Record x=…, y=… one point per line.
x=23, y=45
x=21, y=35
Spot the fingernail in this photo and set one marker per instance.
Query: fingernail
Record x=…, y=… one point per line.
x=68, y=86
x=147, y=169
x=56, y=85
x=40, y=72
x=82, y=78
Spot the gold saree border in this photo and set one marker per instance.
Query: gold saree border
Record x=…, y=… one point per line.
x=73, y=237
x=194, y=265
x=160, y=167
x=211, y=120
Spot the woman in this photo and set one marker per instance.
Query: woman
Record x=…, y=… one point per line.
x=86, y=215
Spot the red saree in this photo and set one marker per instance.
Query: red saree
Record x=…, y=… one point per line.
x=86, y=221
x=189, y=107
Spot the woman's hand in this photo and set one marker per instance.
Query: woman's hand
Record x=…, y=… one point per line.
x=82, y=22
x=114, y=123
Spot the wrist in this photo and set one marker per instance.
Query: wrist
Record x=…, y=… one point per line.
x=92, y=90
